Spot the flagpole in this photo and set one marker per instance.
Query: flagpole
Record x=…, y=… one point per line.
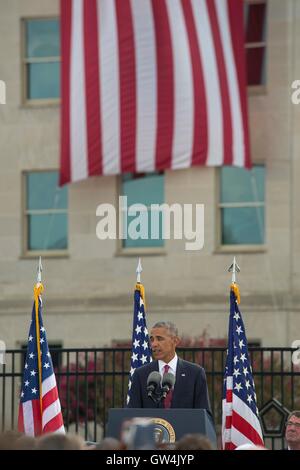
x=234, y=268
x=139, y=286
x=141, y=349
x=38, y=289
x=139, y=269
x=239, y=413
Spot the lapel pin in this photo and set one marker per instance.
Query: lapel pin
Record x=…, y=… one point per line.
x=182, y=375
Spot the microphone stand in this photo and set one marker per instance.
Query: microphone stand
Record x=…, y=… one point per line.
x=159, y=397
x=156, y=398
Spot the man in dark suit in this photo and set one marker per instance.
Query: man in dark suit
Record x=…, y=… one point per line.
x=292, y=431
x=190, y=389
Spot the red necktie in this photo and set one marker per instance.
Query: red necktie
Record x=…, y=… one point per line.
x=168, y=399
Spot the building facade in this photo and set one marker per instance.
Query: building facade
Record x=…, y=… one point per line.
x=88, y=282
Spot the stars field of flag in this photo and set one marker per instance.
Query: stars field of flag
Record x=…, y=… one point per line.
x=240, y=413
x=39, y=409
x=141, y=352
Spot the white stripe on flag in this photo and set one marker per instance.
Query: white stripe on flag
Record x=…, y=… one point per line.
x=231, y=72
x=226, y=411
x=238, y=438
x=227, y=408
x=146, y=73
x=51, y=411
x=60, y=430
x=229, y=382
x=110, y=86
x=28, y=418
x=79, y=166
x=211, y=80
x=227, y=435
x=48, y=384
x=183, y=88
x=245, y=411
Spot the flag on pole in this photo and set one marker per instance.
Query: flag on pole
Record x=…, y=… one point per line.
x=240, y=418
x=141, y=352
x=152, y=85
x=39, y=409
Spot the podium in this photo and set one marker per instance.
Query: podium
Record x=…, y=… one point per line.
x=170, y=424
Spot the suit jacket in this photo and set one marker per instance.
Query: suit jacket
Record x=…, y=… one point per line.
x=190, y=389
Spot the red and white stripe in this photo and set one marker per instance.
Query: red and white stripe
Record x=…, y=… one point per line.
x=151, y=85
x=240, y=425
x=32, y=422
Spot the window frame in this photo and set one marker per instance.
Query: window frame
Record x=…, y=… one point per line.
x=134, y=251
x=52, y=345
x=26, y=253
x=26, y=102
x=257, y=89
x=252, y=89
x=238, y=248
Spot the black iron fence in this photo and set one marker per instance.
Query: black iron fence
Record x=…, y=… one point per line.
x=90, y=381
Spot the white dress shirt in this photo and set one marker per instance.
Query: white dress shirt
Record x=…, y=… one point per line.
x=172, y=366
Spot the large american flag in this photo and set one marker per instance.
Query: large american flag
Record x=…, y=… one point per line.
x=141, y=352
x=241, y=423
x=151, y=85
x=39, y=409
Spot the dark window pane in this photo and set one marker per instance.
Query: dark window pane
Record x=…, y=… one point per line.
x=240, y=185
x=43, y=191
x=255, y=32
x=56, y=356
x=256, y=66
x=255, y=22
x=48, y=232
x=243, y=226
x=43, y=80
x=42, y=38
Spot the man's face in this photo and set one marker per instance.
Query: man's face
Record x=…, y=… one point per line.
x=163, y=344
x=292, y=432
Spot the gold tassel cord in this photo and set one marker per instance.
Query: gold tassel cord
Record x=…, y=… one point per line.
x=141, y=288
x=235, y=288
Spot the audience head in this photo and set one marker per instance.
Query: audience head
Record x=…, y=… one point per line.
x=193, y=442
x=25, y=443
x=60, y=442
x=110, y=443
x=8, y=439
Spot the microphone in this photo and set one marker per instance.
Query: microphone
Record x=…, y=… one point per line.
x=153, y=382
x=168, y=382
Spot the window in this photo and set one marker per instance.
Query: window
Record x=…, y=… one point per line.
x=255, y=38
x=56, y=354
x=41, y=59
x=143, y=189
x=46, y=217
x=242, y=206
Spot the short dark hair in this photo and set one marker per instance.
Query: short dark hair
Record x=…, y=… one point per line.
x=294, y=413
x=60, y=442
x=193, y=442
x=168, y=325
